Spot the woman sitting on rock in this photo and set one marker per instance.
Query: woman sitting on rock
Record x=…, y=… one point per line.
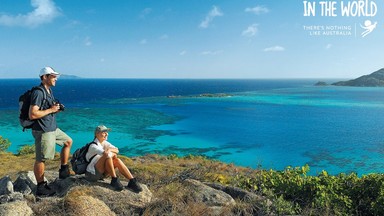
x=103, y=161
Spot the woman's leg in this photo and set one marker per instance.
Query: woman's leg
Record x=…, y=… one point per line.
x=122, y=168
x=109, y=168
x=105, y=164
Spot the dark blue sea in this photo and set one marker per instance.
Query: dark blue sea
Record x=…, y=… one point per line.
x=253, y=123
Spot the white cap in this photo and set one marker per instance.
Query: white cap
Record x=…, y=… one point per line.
x=48, y=70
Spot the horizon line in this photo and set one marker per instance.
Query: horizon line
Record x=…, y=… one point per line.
x=184, y=78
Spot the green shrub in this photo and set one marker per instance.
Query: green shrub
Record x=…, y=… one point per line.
x=343, y=194
x=27, y=149
x=172, y=157
x=4, y=144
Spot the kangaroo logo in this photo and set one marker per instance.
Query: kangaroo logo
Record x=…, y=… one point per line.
x=368, y=26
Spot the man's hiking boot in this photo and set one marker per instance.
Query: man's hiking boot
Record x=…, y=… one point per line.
x=64, y=172
x=116, y=184
x=134, y=186
x=44, y=190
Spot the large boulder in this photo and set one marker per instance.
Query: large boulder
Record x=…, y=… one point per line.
x=15, y=209
x=6, y=186
x=26, y=183
x=77, y=193
x=11, y=197
x=205, y=194
x=86, y=205
x=117, y=201
x=237, y=193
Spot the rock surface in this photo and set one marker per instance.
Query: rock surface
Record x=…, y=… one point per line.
x=81, y=197
x=87, y=205
x=6, y=186
x=16, y=208
x=208, y=195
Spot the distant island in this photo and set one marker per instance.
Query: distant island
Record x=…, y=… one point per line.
x=321, y=83
x=66, y=76
x=375, y=79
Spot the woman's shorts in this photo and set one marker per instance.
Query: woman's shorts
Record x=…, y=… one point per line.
x=94, y=177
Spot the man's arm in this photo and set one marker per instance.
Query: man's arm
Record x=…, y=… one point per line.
x=36, y=113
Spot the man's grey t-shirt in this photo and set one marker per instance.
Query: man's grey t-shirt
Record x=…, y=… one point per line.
x=48, y=122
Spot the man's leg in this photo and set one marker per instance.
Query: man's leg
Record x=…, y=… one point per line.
x=42, y=186
x=38, y=169
x=65, y=151
x=65, y=142
x=39, y=166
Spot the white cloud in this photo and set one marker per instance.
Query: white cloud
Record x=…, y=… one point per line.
x=257, y=10
x=251, y=30
x=274, y=49
x=184, y=52
x=164, y=37
x=215, y=12
x=217, y=52
x=87, y=41
x=145, y=12
x=45, y=11
x=143, y=41
x=328, y=46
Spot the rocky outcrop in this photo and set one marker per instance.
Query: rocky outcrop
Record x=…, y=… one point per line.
x=16, y=208
x=237, y=193
x=81, y=197
x=202, y=193
x=87, y=205
x=6, y=186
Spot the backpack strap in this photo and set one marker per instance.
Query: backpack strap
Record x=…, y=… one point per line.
x=90, y=159
x=44, y=95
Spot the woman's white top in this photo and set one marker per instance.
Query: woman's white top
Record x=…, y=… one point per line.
x=98, y=150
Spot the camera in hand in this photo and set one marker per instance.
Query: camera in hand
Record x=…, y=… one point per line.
x=61, y=106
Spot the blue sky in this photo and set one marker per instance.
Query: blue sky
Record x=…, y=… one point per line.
x=188, y=39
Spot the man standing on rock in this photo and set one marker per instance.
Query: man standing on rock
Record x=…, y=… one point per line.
x=43, y=110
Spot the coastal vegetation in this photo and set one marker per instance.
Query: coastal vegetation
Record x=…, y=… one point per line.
x=4, y=144
x=283, y=192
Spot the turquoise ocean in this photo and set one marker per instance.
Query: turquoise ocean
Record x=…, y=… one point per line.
x=252, y=123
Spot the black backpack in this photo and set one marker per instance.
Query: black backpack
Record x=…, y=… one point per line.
x=78, y=161
x=25, y=103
